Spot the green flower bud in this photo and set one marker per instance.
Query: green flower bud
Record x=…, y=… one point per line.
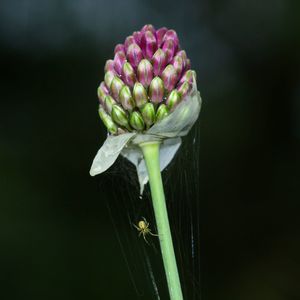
x=148, y=113
x=173, y=99
x=119, y=115
x=140, y=94
x=109, y=101
x=126, y=98
x=107, y=120
x=162, y=112
x=136, y=121
x=108, y=78
x=116, y=86
x=156, y=90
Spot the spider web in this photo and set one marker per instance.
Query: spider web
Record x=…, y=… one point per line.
x=125, y=207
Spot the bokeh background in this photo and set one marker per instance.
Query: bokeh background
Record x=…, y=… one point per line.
x=57, y=239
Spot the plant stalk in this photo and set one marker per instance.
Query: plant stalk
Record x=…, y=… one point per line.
x=151, y=156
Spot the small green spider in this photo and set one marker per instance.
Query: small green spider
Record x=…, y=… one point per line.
x=143, y=228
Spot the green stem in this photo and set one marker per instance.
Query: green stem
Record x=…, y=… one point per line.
x=151, y=156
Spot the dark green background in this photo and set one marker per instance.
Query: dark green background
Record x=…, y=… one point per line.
x=56, y=236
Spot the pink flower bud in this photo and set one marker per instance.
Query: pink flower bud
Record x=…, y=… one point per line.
x=171, y=35
x=140, y=94
x=188, y=64
x=115, y=87
x=148, y=27
x=184, y=89
x=119, y=47
x=134, y=55
x=159, y=61
x=160, y=33
x=137, y=37
x=187, y=76
x=169, y=48
x=109, y=66
x=177, y=62
x=156, y=90
x=145, y=72
x=129, y=41
x=182, y=53
x=169, y=77
x=119, y=61
x=128, y=74
x=148, y=44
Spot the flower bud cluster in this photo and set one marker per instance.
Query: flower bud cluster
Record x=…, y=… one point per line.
x=147, y=78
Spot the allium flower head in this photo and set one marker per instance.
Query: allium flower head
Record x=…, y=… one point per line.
x=146, y=79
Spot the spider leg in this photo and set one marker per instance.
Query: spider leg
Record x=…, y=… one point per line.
x=144, y=236
x=136, y=227
x=147, y=223
x=153, y=233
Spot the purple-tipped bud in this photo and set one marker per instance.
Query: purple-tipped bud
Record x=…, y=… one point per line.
x=184, y=89
x=115, y=87
x=136, y=121
x=109, y=102
x=129, y=41
x=107, y=120
x=156, y=90
x=169, y=48
x=119, y=61
x=148, y=27
x=148, y=113
x=187, y=76
x=140, y=94
x=102, y=91
x=160, y=33
x=173, y=99
x=109, y=66
x=169, y=77
x=119, y=48
x=108, y=78
x=171, y=35
x=148, y=44
x=182, y=53
x=119, y=116
x=162, y=112
x=134, y=55
x=178, y=64
x=159, y=62
x=126, y=98
x=128, y=74
x=137, y=36
x=145, y=72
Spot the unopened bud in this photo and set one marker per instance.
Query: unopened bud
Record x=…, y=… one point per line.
x=116, y=86
x=184, y=89
x=107, y=120
x=140, y=94
x=169, y=48
x=109, y=66
x=162, y=112
x=119, y=61
x=102, y=91
x=119, y=115
x=109, y=102
x=160, y=35
x=145, y=72
x=148, y=27
x=137, y=36
x=148, y=113
x=177, y=62
x=188, y=64
x=108, y=78
x=148, y=44
x=171, y=35
x=119, y=47
x=129, y=41
x=136, y=121
x=173, y=99
x=188, y=76
x=159, y=61
x=128, y=74
x=134, y=55
x=126, y=98
x=156, y=90
x=169, y=77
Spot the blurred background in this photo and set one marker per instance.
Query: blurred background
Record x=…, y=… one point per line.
x=57, y=239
